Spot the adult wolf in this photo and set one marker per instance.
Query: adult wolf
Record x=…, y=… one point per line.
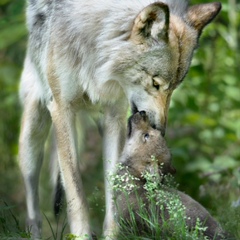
x=107, y=53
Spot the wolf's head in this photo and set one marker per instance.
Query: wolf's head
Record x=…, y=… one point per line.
x=145, y=149
x=162, y=41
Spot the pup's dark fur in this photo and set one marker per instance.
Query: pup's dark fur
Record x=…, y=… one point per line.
x=143, y=142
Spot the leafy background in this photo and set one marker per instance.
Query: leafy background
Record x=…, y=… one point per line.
x=203, y=129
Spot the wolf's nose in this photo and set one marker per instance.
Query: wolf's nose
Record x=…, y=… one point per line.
x=143, y=113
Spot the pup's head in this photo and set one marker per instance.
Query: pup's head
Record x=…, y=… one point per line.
x=145, y=149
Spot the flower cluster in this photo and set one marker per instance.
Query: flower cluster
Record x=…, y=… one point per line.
x=123, y=182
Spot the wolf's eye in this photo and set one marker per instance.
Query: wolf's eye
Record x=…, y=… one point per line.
x=156, y=84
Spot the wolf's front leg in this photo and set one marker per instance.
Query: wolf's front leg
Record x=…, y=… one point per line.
x=64, y=124
x=113, y=142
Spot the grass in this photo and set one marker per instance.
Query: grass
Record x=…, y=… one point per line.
x=12, y=225
x=150, y=221
x=9, y=224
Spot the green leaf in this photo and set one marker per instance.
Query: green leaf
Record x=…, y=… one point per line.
x=224, y=162
x=4, y=2
x=12, y=34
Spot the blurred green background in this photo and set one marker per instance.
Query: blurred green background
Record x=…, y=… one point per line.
x=203, y=128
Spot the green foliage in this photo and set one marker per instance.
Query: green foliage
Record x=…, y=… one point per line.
x=58, y=232
x=204, y=116
x=74, y=237
x=12, y=48
x=150, y=221
x=9, y=224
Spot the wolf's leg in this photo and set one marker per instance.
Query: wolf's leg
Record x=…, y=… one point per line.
x=34, y=130
x=58, y=192
x=113, y=142
x=64, y=124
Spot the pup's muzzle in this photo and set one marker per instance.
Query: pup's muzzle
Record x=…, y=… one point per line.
x=136, y=120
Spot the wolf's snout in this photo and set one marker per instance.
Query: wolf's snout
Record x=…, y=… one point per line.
x=142, y=116
x=158, y=126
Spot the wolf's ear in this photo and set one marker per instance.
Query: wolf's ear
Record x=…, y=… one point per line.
x=151, y=23
x=200, y=15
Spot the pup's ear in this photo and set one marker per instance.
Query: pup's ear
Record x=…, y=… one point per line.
x=200, y=15
x=152, y=23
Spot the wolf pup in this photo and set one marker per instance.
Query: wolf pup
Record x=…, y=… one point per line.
x=142, y=143
x=99, y=54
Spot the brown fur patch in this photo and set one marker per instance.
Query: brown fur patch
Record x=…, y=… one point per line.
x=200, y=15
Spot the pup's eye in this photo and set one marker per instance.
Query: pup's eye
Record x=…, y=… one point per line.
x=146, y=136
x=155, y=84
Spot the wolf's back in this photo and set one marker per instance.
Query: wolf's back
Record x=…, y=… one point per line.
x=91, y=41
